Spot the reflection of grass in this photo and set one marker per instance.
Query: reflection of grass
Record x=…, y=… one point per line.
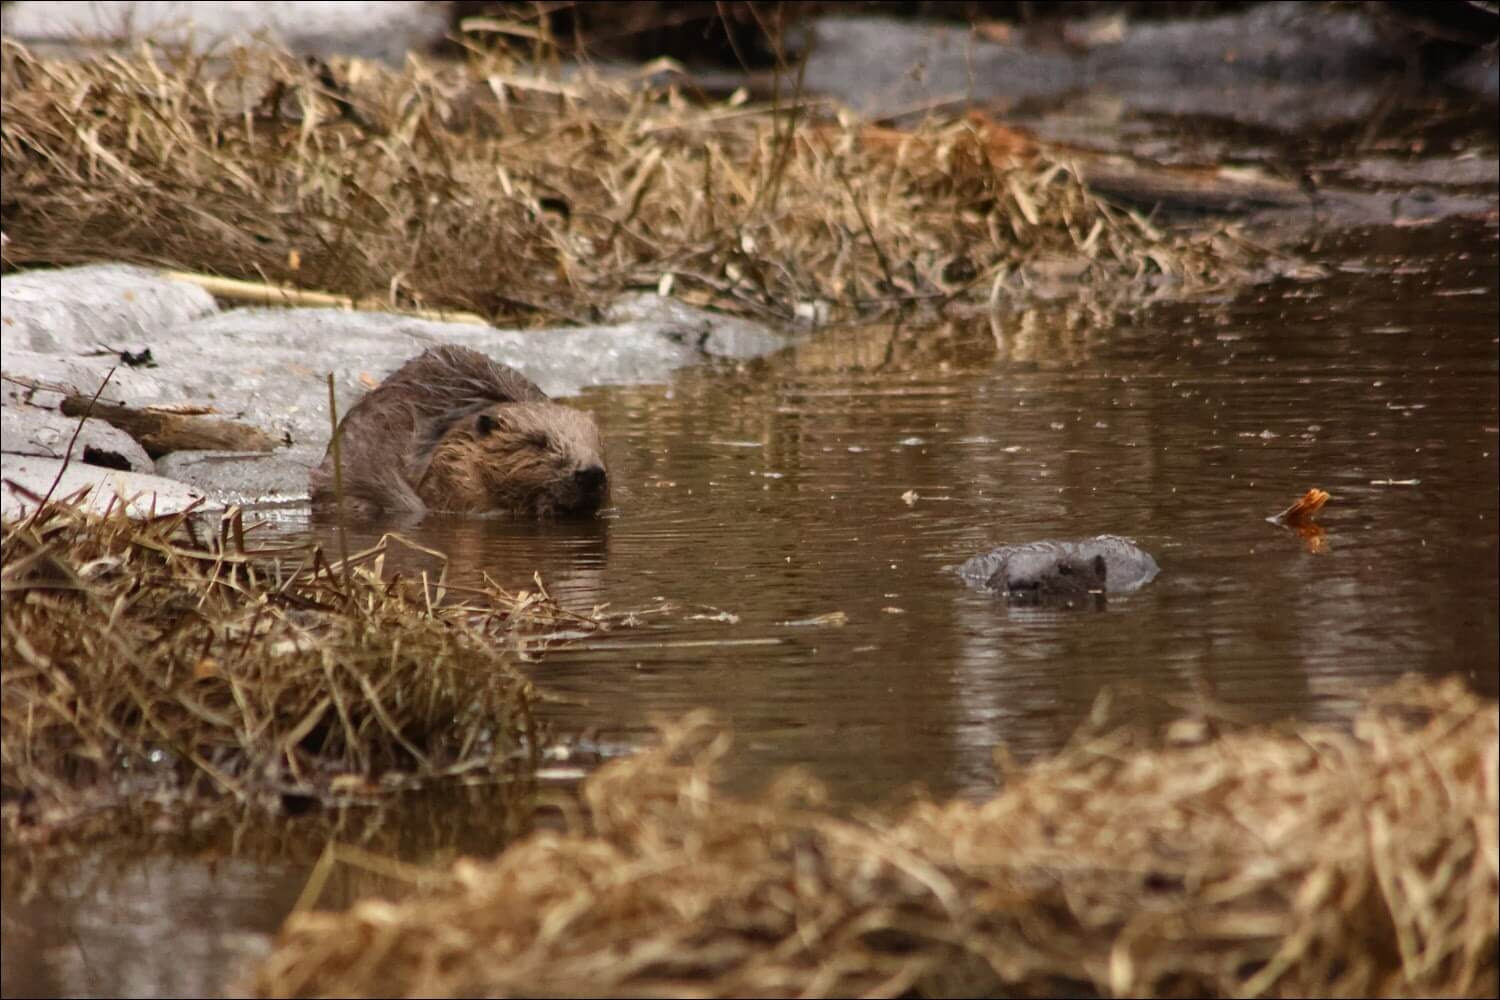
x=480, y=187
x=139, y=659
x=435, y=825
x=1308, y=862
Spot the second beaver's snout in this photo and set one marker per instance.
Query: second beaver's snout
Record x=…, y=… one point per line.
x=1045, y=578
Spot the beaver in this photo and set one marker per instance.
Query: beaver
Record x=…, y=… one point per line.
x=1061, y=572
x=451, y=430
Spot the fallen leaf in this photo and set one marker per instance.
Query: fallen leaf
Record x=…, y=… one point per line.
x=1303, y=510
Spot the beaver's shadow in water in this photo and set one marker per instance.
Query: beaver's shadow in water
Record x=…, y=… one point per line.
x=462, y=551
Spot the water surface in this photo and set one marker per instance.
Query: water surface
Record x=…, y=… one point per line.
x=850, y=475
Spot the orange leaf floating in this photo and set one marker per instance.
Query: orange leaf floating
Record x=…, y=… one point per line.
x=1299, y=517
x=1303, y=510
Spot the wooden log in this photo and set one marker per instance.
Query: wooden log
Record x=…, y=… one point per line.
x=160, y=432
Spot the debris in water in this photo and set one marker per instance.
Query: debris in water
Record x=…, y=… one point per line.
x=1299, y=518
x=1303, y=510
x=727, y=617
x=832, y=618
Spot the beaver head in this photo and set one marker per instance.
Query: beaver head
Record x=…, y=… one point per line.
x=1037, y=577
x=533, y=458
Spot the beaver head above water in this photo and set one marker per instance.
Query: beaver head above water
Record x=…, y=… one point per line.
x=1061, y=572
x=525, y=458
x=1043, y=578
x=452, y=430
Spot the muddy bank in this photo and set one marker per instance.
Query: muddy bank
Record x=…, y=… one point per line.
x=1286, y=66
x=1336, y=102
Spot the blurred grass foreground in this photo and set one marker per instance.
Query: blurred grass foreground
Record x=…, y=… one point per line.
x=1316, y=861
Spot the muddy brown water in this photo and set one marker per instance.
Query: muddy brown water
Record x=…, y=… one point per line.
x=757, y=502
x=754, y=501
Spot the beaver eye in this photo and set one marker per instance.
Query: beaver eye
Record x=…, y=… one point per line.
x=485, y=424
x=538, y=441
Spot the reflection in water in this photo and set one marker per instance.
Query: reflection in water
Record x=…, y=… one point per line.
x=853, y=473
x=180, y=906
x=462, y=551
x=160, y=925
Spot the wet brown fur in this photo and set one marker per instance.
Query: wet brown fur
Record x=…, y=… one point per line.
x=452, y=430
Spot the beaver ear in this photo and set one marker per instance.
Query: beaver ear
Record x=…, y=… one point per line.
x=484, y=424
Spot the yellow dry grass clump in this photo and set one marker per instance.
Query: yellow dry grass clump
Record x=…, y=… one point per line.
x=1311, y=862
x=143, y=659
x=485, y=187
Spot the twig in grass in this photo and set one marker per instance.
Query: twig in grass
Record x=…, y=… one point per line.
x=68, y=455
x=885, y=264
x=789, y=134
x=338, y=479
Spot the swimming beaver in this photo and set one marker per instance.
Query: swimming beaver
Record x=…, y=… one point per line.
x=1054, y=572
x=452, y=430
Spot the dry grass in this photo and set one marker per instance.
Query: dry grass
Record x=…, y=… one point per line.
x=140, y=659
x=485, y=188
x=1309, y=862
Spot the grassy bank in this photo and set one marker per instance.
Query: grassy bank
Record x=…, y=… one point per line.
x=176, y=660
x=484, y=187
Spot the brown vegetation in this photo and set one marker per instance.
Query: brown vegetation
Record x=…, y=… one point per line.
x=142, y=659
x=487, y=188
x=1310, y=862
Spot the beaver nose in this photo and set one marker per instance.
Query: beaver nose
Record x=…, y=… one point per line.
x=590, y=479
